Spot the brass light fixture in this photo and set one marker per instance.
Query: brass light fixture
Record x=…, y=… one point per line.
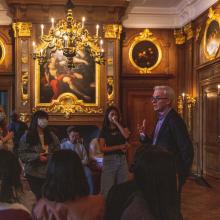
x=70, y=37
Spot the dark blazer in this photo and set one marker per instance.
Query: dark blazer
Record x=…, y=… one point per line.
x=174, y=137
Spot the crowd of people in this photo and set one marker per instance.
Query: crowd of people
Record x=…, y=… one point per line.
x=44, y=178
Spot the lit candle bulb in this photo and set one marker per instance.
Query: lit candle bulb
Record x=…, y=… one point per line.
x=52, y=22
x=65, y=41
x=183, y=95
x=41, y=52
x=83, y=21
x=97, y=30
x=102, y=50
x=101, y=43
x=34, y=46
x=42, y=30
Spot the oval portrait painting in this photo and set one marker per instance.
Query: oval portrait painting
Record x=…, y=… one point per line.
x=212, y=39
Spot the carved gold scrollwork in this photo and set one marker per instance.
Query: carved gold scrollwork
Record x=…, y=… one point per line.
x=22, y=29
x=188, y=31
x=24, y=87
x=112, y=31
x=198, y=30
x=179, y=36
x=110, y=90
x=185, y=109
x=68, y=104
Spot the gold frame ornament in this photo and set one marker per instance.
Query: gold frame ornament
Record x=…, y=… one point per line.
x=146, y=36
x=68, y=103
x=3, y=51
x=211, y=43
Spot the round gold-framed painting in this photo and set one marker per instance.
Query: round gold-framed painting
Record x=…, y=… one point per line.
x=2, y=51
x=145, y=52
x=212, y=37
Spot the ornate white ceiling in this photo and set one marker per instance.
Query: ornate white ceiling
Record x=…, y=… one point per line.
x=163, y=13
x=148, y=13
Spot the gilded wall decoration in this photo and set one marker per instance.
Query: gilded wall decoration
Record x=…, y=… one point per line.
x=110, y=90
x=2, y=51
x=22, y=29
x=24, y=72
x=180, y=37
x=112, y=31
x=188, y=31
x=211, y=39
x=64, y=90
x=145, y=52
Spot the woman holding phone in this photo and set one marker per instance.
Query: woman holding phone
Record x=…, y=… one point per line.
x=35, y=147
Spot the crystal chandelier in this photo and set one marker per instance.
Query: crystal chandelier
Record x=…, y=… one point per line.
x=70, y=37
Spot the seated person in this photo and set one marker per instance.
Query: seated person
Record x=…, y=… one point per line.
x=6, y=137
x=152, y=194
x=18, y=127
x=74, y=143
x=66, y=193
x=15, y=203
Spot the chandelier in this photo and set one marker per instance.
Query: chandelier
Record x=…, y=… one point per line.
x=69, y=37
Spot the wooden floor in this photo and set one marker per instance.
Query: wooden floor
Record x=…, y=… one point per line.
x=200, y=202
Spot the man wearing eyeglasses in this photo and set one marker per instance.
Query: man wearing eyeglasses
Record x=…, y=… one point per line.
x=170, y=132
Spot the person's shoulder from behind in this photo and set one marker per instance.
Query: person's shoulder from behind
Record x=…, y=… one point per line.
x=137, y=209
x=91, y=206
x=94, y=205
x=14, y=211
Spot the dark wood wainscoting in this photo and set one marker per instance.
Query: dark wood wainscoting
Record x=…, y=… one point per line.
x=210, y=119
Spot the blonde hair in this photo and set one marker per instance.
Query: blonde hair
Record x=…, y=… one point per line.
x=168, y=91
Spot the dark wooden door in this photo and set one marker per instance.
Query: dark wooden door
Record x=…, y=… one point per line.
x=211, y=129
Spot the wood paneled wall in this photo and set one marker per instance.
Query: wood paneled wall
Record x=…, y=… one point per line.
x=137, y=89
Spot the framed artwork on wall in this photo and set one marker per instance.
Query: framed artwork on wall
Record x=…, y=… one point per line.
x=59, y=89
x=145, y=52
x=2, y=52
x=212, y=35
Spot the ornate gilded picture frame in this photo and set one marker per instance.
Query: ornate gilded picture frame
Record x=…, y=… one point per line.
x=211, y=37
x=145, y=52
x=2, y=51
x=61, y=90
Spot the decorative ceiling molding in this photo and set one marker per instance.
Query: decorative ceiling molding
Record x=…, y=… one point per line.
x=165, y=17
x=5, y=19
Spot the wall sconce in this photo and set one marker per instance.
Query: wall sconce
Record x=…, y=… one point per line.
x=185, y=108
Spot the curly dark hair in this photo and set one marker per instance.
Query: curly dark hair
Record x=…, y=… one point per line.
x=32, y=138
x=65, y=179
x=10, y=171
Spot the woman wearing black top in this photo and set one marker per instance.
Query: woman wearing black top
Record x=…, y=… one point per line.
x=113, y=143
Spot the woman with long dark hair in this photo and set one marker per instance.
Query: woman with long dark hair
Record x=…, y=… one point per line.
x=113, y=143
x=35, y=148
x=156, y=197
x=13, y=204
x=66, y=192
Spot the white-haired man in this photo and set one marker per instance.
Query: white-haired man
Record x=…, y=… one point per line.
x=170, y=132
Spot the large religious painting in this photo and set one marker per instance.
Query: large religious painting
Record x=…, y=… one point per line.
x=145, y=53
x=2, y=51
x=59, y=87
x=212, y=36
